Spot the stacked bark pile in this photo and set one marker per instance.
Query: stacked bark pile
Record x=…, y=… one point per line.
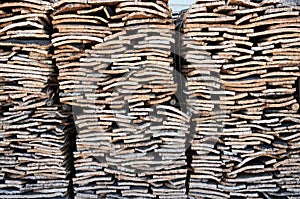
x=113, y=60
x=32, y=156
x=78, y=26
x=117, y=72
x=242, y=63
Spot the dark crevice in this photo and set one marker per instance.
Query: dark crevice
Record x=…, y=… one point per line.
x=297, y=95
x=180, y=80
x=67, y=126
x=189, y=155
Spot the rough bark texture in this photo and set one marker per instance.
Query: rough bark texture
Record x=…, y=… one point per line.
x=104, y=99
x=33, y=146
x=246, y=55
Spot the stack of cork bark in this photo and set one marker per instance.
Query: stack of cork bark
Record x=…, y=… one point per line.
x=32, y=143
x=209, y=113
x=242, y=63
x=116, y=71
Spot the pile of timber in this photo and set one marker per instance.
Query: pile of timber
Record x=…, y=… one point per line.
x=116, y=71
x=241, y=64
x=32, y=156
